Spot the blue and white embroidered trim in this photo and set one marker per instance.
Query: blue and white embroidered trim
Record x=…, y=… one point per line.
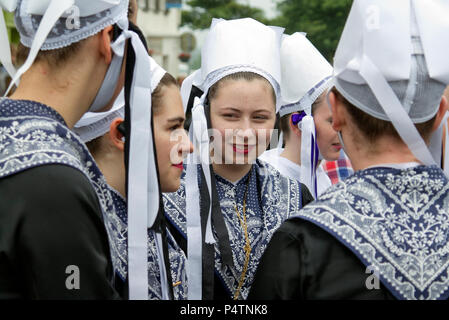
x=397, y=222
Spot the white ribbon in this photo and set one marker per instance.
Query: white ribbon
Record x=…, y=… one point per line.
x=194, y=234
x=138, y=179
x=199, y=136
x=308, y=165
x=394, y=110
x=143, y=191
x=446, y=150
x=5, y=49
x=161, y=263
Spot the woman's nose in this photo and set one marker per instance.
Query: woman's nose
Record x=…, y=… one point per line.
x=245, y=132
x=186, y=144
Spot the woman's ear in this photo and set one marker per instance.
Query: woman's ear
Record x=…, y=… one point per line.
x=337, y=112
x=115, y=135
x=440, y=113
x=293, y=127
x=106, y=36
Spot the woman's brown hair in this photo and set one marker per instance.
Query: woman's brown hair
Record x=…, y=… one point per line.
x=284, y=121
x=95, y=146
x=245, y=75
x=373, y=128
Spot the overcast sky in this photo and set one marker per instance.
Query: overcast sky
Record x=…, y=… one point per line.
x=269, y=6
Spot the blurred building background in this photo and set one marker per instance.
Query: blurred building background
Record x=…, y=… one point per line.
x=160, y=20
x=175, y=29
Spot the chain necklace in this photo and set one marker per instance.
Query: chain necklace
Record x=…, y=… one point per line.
x=247, y=247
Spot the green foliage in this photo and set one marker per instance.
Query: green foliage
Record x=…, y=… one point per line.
x=202, y=12
x=13, y=34
x=322, y=20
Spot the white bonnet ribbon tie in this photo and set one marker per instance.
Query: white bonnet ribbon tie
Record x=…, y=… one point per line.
x=201, y=136
x=446, y=150
x=307, y=150
x=194, y=233
x=394, y=110
x=113, y=73
x=193, y=219
x=143, y=193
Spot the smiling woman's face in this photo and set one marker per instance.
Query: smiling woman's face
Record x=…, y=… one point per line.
x=243, y=113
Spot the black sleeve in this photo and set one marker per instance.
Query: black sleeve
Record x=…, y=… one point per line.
x=306, y=195
x=278, y=274
x=50, y=219
x=303, y=261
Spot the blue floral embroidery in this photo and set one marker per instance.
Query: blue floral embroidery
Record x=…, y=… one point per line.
x=396, y=221
x=272, y=198
x=31, y=135
x=176, y=255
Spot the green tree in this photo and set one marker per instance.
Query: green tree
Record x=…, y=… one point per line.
x=202, y=12
x=13, y=34
x=322, y=20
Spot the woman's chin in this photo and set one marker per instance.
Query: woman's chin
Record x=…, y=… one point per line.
x=332, y=156
x=170, y=187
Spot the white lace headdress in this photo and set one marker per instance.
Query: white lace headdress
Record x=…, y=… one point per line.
x=306, y=74
x=95, y=124
x=391, y=62
x=242, y=45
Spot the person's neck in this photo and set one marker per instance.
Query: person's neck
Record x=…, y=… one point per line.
x=292, y=151
x=232, y=172
x=113, y=169
x=386, y=151
x=69, y=93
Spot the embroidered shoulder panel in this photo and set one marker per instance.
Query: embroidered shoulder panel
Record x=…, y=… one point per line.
x=176, y=255
x=274, y=198
x=396, y=222
x=33, y=135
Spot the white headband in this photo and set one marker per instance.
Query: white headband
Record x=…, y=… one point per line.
x=305, y=76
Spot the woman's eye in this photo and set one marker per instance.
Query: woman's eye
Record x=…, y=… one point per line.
x=175, y=127
x=260, y=118
x=230, y=115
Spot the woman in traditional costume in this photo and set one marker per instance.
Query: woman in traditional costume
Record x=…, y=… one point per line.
x=305, y=119
x=230, y=203
x=104, y=134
